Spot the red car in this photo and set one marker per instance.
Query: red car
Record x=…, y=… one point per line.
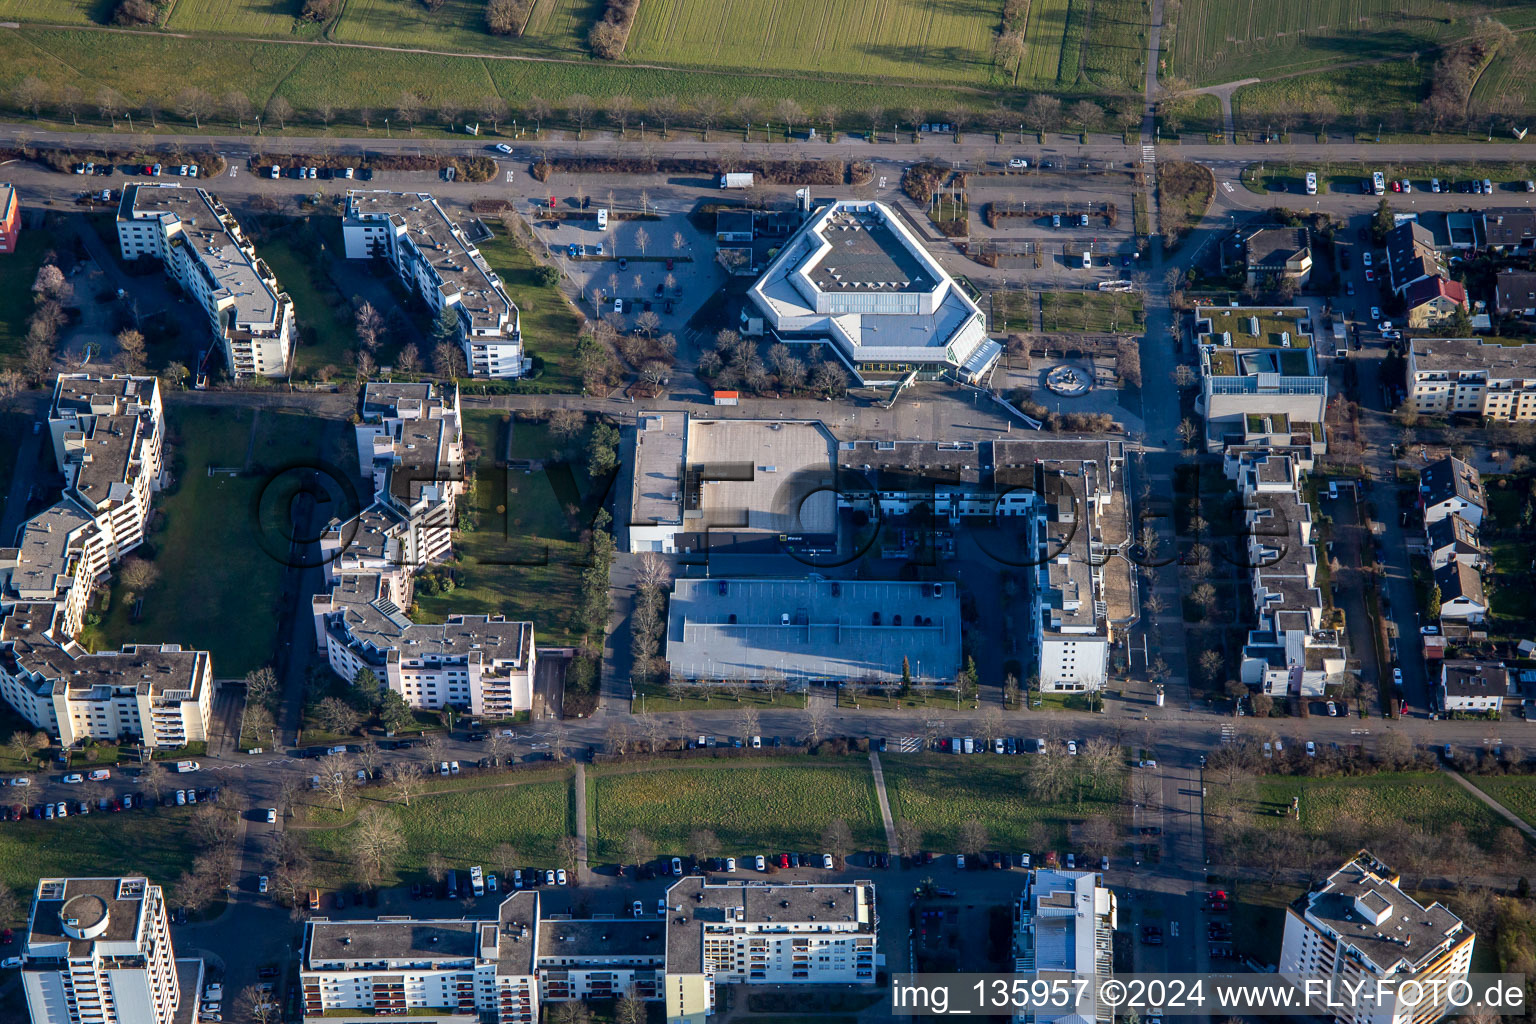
x=783, y=860
x=1397, y=186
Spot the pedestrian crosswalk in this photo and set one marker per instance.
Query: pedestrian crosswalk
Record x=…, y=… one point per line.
x=1149, y=154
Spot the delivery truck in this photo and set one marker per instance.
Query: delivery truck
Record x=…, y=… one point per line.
x=741, y=179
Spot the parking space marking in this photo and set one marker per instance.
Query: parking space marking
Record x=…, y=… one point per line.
x=1228, y=186
x=234, y=171
x=509, y=176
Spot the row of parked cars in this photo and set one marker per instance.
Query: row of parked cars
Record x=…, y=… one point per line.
x=315, y=173
x=106, y=804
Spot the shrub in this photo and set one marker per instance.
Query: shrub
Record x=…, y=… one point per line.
x=611, y=33
x=507, y=17
x=135, y=12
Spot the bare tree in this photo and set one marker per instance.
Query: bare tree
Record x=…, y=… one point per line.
x=370, y=327
x=973, y=837
x=909, y=838
x=1097, y=835
x=405, y=780
x=279, y=110
x=749, y=724
x=336, y=778
x=704, y=844
x=837, y=838
x=256, y=1007
x=194, y=104
x=815, y=721
x=376, y=841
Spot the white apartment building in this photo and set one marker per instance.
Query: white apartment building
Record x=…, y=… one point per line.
x=435, y=259
x=107, y=435
x=1472, y=377
x=1473, y=686
x=1359, y=926
x=757, y=933
x=1259, y=379
x=1064, y=927
x=1289, y=654
x=203, y=249
x=98, y=951
x=457, y=971
x=410, y=446
x=601, y=959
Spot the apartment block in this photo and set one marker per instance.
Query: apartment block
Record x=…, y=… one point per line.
x=203, y=250
x=756, y=933
x=107, y=435
x=1359, y=926
x=1289, y=653
x=1259, y=380
x=434, y=258
x=1469, y=376
x=410, y=447
x=1473, y=686
x=601, y=959
x=10, y=217
x=1064, y=926
x=98, y=951
x=455, y=971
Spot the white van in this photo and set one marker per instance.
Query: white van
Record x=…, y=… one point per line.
x=602, y=220
x=1378, y=183
x=1311, y=183
x=1087, y=260
x=187, y=766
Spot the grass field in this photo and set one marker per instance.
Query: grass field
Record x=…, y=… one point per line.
x=1516, y=792
x=1225, y=40
x=525, y=557
x=464, y=826
x=156, y=843
x=60, y=12
x=1091, y=311
x=941, y=793
x=1351, y=97
x=753, y=806
x=1115, y=44
x=327, y=337
x=17, y=272
x=1382, y=805
x=549, y=323
x=460, y=25
x=242, y=17
x=930, y=40
x=1184, y=193
x=199, y=596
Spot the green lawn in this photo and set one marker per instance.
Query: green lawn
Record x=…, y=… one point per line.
x=1515, y=792
x=200, y=594
x=464, y=826
x=524, y=558
x=17, y=272
x=324, y=314
x=940, y=793
x=156, y=843
x=242, y=17
x=656, y=700
x=549, y=323
x=1091, y=311
x=754, y=806
x=1382, y=805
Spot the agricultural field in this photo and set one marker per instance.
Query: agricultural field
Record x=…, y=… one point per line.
x=1515, y=792
x=1376, y=807
x=1097, y=312
x=58, y=12
x=1218, y=41
x=460, y=26
x=754, y=806
x=1115, y=44
x=936, y=40
x=940, y=793
x=464, y=825
x=197, y=597
x=1509, y=83
x=278, y=18
x=524, y=557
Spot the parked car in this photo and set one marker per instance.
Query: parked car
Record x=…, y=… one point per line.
x=1018, y=163
x=271, y=815
x=826, y=862
x=760, y=863
x=73, y=777
x=502, y=147
x=261, y=884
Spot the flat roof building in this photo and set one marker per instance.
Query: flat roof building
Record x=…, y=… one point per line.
x=10, y=217
x=1359, y=926
x=801, y=630
x=436, y=260
x=98, y=951
x=1472, y=377
x=1064, y=926
x=203, y=249
x=761, y=933
x=856, y=278
x=1259, y=378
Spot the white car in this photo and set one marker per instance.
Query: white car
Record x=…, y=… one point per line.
x=677, y=866
x=502, y=147
x=661, y=906
x=74, y=777
x=10, y=961
x=21, y=780
x=181, y=797
x=1333, y=710
x=760, y=863
x=442, y=768
x=212, y=1007
x=1018, y=163
x=1365, y=258
x=271, y=815
x=491, y=884
x=1311, y=749
x=560, y=876
x=730, y=863
x=757, y=742
x=960, y=862
x=1397, y=678
x=826, y=861
x=453, y=767
x=1148, y=764
x=1434, y=184
x=549, y=877
x=1103, y=863
x=637, y=908
x=1375, y=314
x=261, y=884
x=1072, y=747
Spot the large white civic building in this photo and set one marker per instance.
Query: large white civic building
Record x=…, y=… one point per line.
x=203, y=249
x=856, y=278
x=436, y=260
